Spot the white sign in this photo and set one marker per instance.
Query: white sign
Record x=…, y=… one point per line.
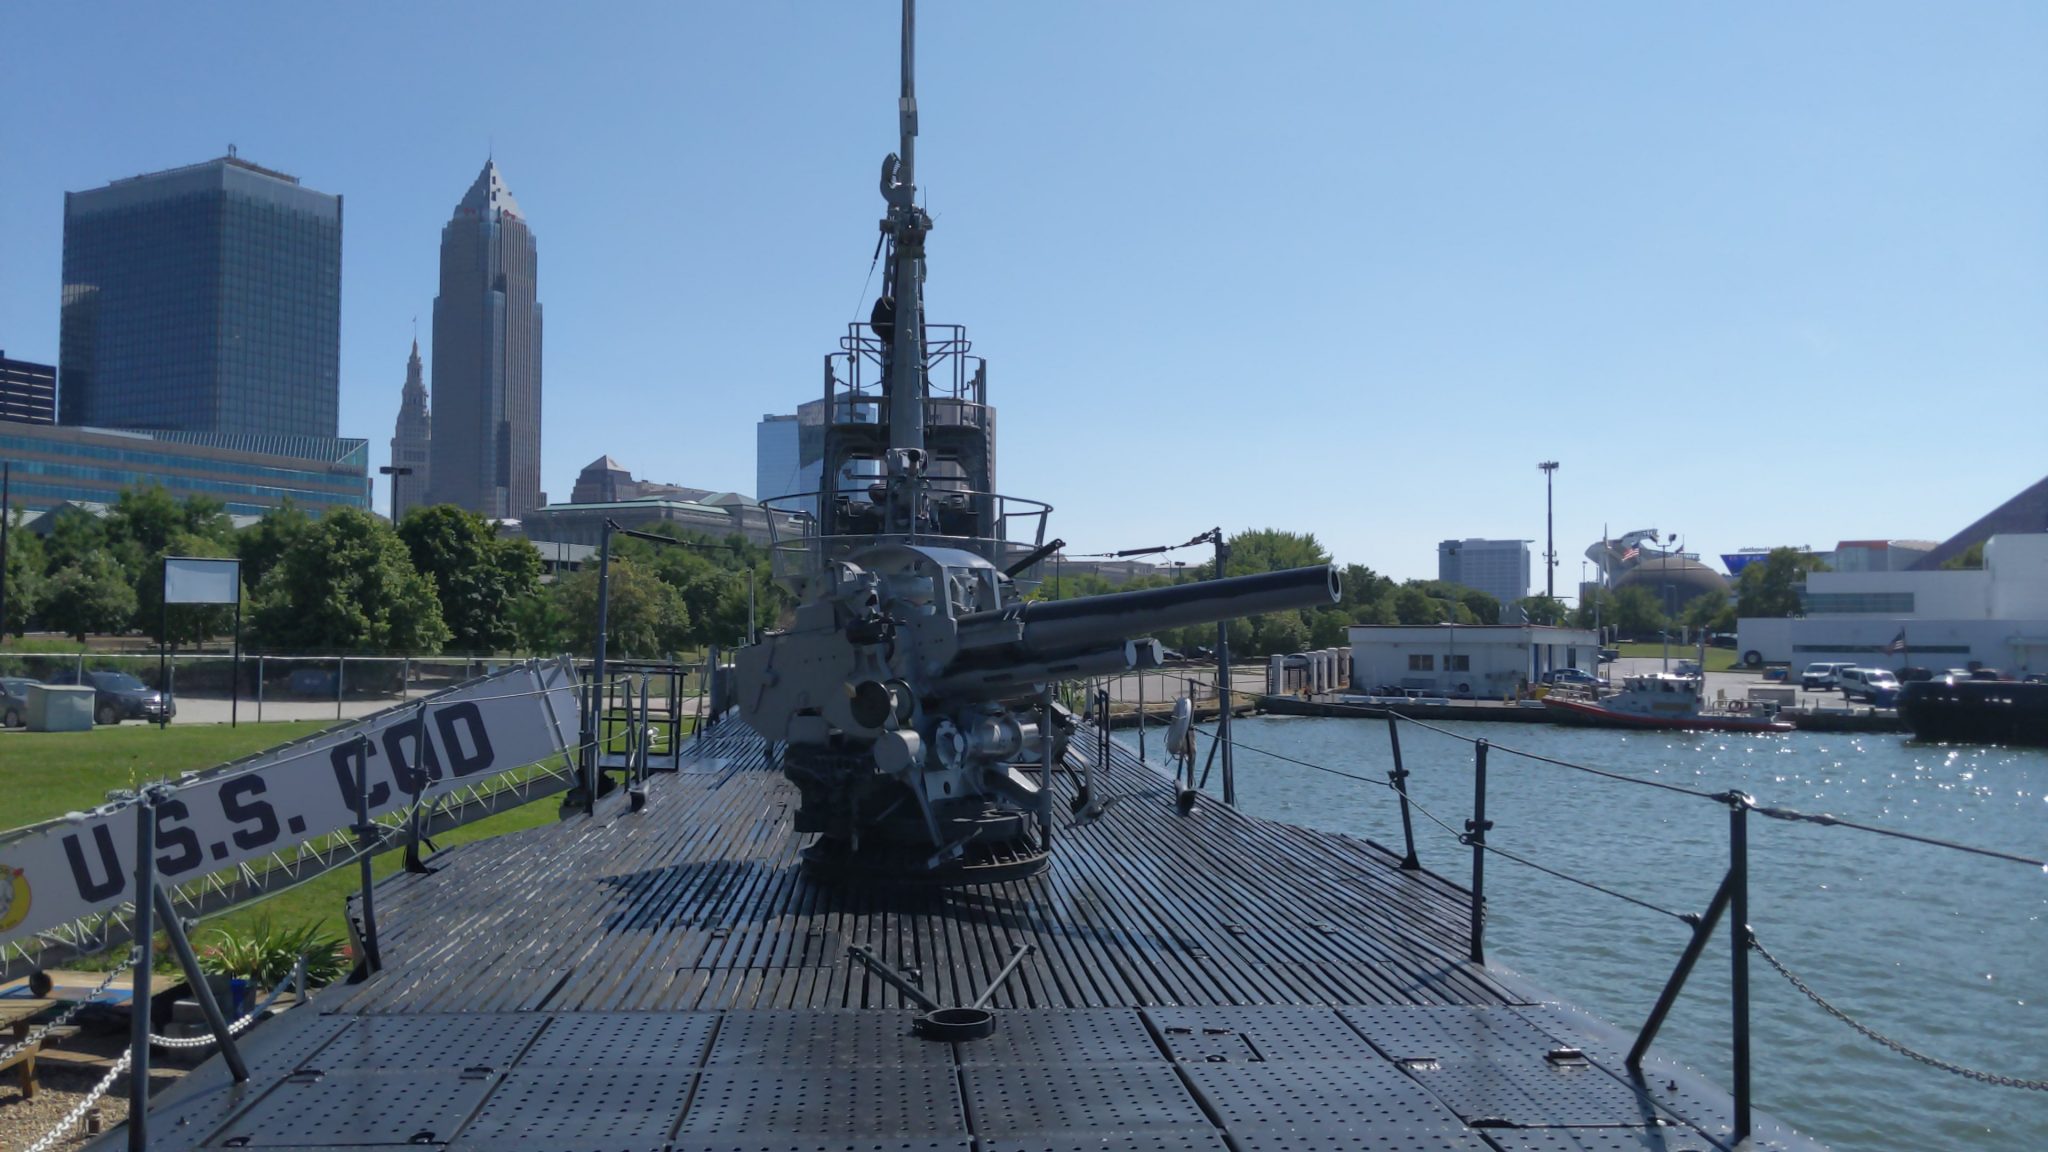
x=65, y=870
x=195, y=580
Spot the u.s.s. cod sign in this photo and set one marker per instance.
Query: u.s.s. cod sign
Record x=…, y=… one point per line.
x=66, y=870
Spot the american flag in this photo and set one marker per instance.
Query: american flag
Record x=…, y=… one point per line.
x=1631, y=554
x=1897, y=645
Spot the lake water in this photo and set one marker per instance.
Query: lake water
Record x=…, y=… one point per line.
x=1946, y=952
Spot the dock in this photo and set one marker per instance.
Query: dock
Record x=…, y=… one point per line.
x=668, y=979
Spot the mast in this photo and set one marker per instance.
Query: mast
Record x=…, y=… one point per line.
x=906, y=226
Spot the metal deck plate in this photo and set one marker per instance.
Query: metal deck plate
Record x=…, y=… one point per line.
x=1430, y=1032
x=818, y=1144
x=1527, y=1091
x=1101, y=1096
x=1602, y=1140
x=631, y=1039
x=1059, y=1036
x=1390, y=1138
x=449, y=1042
x=1151, y=1140
x=849, y=1038
x=1356, y=1097
x=845, y=1102
x=191, y=1110
x=1239, y=1035
x=416, y=1107
x=631, y=1108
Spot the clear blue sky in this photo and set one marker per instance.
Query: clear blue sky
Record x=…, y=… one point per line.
x=1758, y=274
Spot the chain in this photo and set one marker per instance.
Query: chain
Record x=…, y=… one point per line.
x=1881, y=1038
x=60, y=1020
x=201, y=1041
x=70, y=1121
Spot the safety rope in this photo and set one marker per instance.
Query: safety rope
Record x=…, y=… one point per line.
x=1465, y=838
x=70, y=1121
x=60, y=1020
x=1897, y=1046
x=206, y=1040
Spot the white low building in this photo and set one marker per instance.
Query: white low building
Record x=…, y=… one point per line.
x=1995, y=616
x=1470, y=660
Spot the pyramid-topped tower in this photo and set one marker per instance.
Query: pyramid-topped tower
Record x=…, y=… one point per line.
x=485, y=453
x=411, y=441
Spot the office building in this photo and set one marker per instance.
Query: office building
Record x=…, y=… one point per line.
x=1466, y=661
x=1937, y=618
x=203, y=299
x=55, y=464
x=410, y=441
x=28, y=392
x=1499, y=568
x=605, y=480
x=485, y=454
x=779, y=469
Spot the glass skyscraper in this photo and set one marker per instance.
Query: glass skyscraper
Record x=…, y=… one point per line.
x=485, y=451
x=202, y=299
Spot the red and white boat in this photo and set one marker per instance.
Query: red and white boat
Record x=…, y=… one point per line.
x=1660, y=700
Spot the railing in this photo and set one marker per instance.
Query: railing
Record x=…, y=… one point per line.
x=1730, y=899
x=1019, y=527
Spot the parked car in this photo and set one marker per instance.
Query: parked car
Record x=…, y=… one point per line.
x=1608, y=655
x=1574, y=676
x=117, y=696
x=14, y=701
x=1876, y=686
x=1823, y=676
x=1687, y=668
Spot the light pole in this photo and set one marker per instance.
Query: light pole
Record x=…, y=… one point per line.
x=1549, y=469
x=394, y=471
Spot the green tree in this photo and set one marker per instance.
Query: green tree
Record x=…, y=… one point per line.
x=1414, y=606
x=1634, y=611
x=477, y=574
x=1547, y=610
x=1971, y=557
x=264, y=543
x=25, y=580
x=348, y=585
x=1770, y=586
x=75, y=535
x=88, y=596
x=645, y=615
x=541, y=624
x=1709, y=612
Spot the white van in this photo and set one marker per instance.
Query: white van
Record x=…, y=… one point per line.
x=1872, y=685
x=1823, y=676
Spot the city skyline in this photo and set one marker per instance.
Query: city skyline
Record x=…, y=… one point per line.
x=1509, y=239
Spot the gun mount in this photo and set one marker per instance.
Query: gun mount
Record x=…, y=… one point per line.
x=909, y=696
x=912, y=691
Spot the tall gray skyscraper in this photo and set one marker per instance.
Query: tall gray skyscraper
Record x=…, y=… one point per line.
x=485, y=452
x=411, y=440
x=203, y=299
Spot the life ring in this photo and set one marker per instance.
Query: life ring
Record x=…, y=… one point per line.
x=1738, y=705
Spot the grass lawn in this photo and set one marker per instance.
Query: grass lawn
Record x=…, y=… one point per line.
x=46, y=774
x=1718, y=659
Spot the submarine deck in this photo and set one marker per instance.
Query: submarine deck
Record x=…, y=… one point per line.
x=667, y=979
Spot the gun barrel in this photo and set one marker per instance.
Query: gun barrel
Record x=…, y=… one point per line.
x=1057, y=627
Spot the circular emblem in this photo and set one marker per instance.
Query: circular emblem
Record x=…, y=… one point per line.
x=13, y=897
